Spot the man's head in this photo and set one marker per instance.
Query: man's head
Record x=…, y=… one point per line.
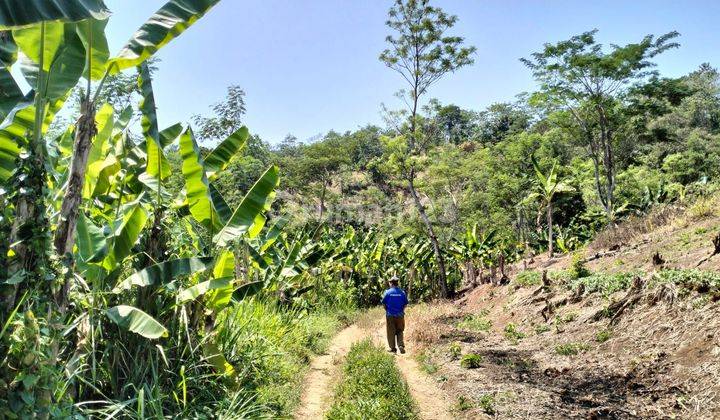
x=394, y=281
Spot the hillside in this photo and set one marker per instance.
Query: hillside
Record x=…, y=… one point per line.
x=628, y=339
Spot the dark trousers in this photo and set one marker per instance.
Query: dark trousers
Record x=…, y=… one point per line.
x=395, y=326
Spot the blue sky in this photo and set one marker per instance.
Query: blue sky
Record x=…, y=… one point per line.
x=309, y=66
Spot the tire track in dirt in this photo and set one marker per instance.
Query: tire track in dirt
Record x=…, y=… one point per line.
x=433, y=403
x=318, y=385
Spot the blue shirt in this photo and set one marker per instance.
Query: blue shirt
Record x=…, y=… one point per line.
x=395, y=301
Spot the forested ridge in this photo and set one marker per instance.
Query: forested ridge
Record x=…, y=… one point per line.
x=192, y=269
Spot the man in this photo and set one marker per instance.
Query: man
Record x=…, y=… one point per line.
x=394, y=299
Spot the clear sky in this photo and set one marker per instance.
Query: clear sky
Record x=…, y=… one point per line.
x=309, y=66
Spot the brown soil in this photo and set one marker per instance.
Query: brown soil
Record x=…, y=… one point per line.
x=661, y=360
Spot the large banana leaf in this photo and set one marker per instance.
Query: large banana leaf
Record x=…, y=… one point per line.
x=224, y=267
x=8, y=50
x=165, y=25
x=91, y=242
x=219, y=158
x=10, y=93
x=137, y=321
x=16, y=13
x=92, y=35
x=168, y=135
x=104, y=123
x=126, y=234
x=63, y=57
x=221, y=206
x=193, y=292
x=197, y=188
x=247, y=290
x=158, y=166
x=164, y=272
x=255, y=202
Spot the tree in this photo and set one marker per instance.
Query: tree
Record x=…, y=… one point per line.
x=546, y=187
x=422, y=54
x=227, y=117
x=579, y=77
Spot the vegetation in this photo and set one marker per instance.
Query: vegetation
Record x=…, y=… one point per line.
x=371, y=385
x=471, y=361
x=146, y=274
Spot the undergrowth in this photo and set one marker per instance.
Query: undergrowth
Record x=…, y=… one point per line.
x=372, y=387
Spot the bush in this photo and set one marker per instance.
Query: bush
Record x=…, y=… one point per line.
x=471, y=361
x=455, y=350
x=577, y=267
x=487, y=403
x=371, y=385
x=605, y=284
x=603, y=336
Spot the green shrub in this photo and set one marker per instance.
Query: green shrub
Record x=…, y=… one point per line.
x=603, y=336
x=571, y=349
x=606, y=284
x=698, y=280
x=541, y=328
x=487, y=403
x=471, y=361
x=578, y=269
x=426, y=363
x=528, y=278
x=371, y=385
x=455, y=350
x=512, y=333
x=475, y=323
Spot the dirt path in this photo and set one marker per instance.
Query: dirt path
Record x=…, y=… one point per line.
x=318, y=389
x=433, y=403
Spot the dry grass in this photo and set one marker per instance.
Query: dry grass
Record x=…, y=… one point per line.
x=632, y=229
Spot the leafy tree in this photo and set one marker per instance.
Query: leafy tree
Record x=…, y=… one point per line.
x=547, y=185
x=421, y=52
x=226, y=119
x=579, y=77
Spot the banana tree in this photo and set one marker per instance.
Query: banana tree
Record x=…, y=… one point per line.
x=546, y=186
x=475, y=251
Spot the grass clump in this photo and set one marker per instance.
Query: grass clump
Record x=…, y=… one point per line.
x=606, y=284
x=476, y=322
x=603, y=335
x=571, y=349
x=528, y=278
x=471, y=361
x=512, y=333
x=371, y=385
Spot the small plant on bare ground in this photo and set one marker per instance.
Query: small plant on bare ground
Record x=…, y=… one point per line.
x=487, y=404
x=603, y=335
x=571, y=349
x=471, y=361
x=463, y=403
x=426, y=364
x=541, y=328
x=454, y=350
x=513, y=334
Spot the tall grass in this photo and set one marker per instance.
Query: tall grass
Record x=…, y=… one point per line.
x=372, y=387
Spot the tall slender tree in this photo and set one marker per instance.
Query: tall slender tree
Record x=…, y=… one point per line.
x=421, y=52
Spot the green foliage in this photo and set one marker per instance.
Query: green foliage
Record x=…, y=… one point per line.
x=605, y=284
x=463, y=403
x=571, y=349
x=512, y=333
x=578, y=269
x=603, y=335
x=487, y=404
x=371, y=385
x=455, y=350
x=528, y=278
x=471, y=361
x=476, y=322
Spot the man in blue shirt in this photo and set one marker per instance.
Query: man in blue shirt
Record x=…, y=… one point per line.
x=395, y=300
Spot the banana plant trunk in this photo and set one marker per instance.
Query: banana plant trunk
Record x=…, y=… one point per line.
x=550, y=229
x=85, y=130
x=442, y=278
x=64, y=239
